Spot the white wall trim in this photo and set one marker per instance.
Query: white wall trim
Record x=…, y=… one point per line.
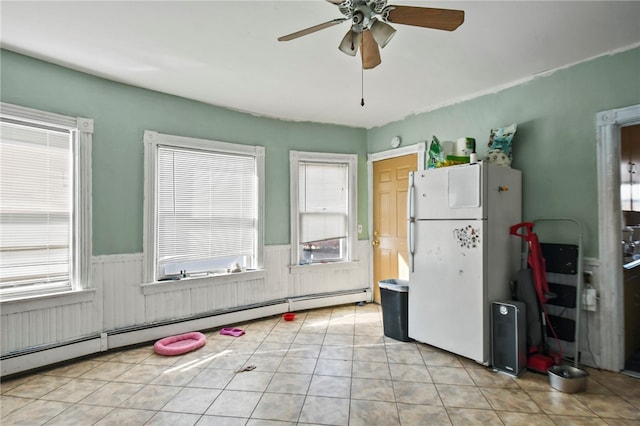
x=43, y=117
x=609, y=228
x=419, y=148
x=37, y=302
x=189, y=283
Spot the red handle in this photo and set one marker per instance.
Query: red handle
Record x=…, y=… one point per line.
x=529, y=228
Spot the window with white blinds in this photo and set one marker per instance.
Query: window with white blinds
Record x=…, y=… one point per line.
x=39, y=195
x=323, y=201
x=207, y=207
x=323, y=207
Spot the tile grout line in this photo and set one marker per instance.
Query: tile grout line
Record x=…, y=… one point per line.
x=337, y=317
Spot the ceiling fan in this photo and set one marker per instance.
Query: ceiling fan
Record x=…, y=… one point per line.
x=369, y=28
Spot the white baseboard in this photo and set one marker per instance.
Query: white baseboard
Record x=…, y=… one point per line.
x=126, y=338
x=49, y=356
x=312, y=302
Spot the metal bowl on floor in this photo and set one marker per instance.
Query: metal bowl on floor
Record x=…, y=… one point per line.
x=568, y=379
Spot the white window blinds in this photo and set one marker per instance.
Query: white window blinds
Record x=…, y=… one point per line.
x=323, y=201
x=36, y=205
x=207, y=210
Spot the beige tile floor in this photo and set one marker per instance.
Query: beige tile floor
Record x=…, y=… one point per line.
x=330, y=366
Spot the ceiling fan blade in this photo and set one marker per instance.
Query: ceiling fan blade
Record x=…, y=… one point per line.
x=312, y=29
x=335, y=1
x=369, y=50
x=427, y=17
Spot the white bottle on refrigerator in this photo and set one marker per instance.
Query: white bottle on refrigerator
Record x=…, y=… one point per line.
x=462, y=256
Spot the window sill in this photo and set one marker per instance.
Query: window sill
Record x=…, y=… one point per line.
x=322, y=267
x=44, y=301
x=195, y=282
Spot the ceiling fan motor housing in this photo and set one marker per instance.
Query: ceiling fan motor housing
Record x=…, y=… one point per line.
x=362, y=12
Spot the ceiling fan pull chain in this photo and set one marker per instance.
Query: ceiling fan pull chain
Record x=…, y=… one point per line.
x=362, y=87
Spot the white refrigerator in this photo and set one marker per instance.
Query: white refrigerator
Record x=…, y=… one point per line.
x=461, y=255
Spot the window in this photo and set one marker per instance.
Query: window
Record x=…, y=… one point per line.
x=45, y=206
x=323, y=207
x=203, y=207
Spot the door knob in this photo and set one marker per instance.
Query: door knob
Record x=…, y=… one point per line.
x=375, y=243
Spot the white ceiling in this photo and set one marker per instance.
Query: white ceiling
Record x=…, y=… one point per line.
x=225, y=52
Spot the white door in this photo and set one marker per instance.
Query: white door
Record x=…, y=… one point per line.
x=447, y=295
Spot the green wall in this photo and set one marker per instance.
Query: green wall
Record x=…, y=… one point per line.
x=555, y=144
x=121, y=113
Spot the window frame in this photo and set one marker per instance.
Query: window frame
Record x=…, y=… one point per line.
x=81, y=131
x=152, y=141
x=351, y=161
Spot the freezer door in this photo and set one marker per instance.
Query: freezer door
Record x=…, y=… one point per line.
x=447, y=296
x=447, y=193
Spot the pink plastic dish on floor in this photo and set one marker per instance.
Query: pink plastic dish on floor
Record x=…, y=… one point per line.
x=180, y=344
x=289, y=316
x=235, y=332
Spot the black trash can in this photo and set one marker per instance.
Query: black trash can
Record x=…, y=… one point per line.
x=394, y=298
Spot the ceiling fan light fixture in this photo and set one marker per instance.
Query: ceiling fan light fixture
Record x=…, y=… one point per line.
x=369, y=51
x=350, y=43
x=382, y=32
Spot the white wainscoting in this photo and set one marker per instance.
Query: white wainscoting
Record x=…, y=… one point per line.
x=118, y=278
x=120, y=304
x=38, y=323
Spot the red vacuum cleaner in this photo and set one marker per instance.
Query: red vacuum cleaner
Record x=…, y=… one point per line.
x=533, y=290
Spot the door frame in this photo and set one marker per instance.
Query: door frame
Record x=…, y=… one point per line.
x=609, y=228
x=419, y=148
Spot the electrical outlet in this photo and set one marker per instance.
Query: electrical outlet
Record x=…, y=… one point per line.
x=359, y=229
x=589, y=299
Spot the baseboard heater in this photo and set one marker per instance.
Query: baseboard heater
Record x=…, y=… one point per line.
x=313, y=301
x=41, y=356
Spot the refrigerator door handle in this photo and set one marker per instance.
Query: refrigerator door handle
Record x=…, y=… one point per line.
x=412, y=244
x=410, y=201
x=410, y=222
